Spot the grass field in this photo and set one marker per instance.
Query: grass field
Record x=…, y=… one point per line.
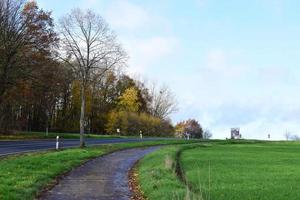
x=224, y=170
x=42, y=135
x=264, y=171
x=23, y=176
x=157, y=176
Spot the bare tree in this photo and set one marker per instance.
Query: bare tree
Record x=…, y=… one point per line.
x=207, y=134
x=295, y=138
x=287, y=135
x=163, y=102
x=91, y=49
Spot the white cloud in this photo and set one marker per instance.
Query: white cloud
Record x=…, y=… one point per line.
x=126, y=15
x=225, y=93
x=217, y=58
x=148, y=51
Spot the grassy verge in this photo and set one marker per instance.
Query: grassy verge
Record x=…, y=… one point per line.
x=157, y=175
x=264, y=171
x=42, y=135
x=23, y=176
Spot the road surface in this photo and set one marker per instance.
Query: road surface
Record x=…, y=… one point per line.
x=15, y=147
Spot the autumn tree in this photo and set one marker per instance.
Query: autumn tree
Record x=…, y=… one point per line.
x=191, y=127
x=47, y=75
x=27, y=38
x=12, y=41
x=91, y=49
x=128, y=101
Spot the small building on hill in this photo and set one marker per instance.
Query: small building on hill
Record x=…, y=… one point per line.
x=235, y=133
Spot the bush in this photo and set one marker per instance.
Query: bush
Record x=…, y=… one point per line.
x=131, y=123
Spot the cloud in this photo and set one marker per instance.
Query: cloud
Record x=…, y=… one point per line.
x=227, y=92
x=126, y=15
x=149, y=51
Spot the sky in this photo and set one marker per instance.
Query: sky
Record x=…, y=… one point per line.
x=233, y=63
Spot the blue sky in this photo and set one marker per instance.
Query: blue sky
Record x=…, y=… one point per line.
x=232, y=63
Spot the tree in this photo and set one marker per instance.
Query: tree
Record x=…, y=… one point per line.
x=27, y=38
x=180, y=129
x=12, y=41
x=163, y=102
x=191, y=127
x=91, y=49
x=194, y=128
x=207, y=134
x=131, y=123
x=129, y=100
x=287, y=135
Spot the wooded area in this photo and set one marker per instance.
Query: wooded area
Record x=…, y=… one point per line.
x=70, y=77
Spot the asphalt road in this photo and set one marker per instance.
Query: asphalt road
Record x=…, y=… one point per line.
x=15, y=147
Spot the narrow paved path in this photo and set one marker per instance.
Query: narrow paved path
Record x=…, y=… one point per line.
x=104, y=178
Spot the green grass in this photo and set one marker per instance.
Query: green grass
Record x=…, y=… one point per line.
x=23, y=176
x=157, y=175
x=42, y=135
x=264, y=171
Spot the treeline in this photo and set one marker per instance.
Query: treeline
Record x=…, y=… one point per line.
x=70, y=78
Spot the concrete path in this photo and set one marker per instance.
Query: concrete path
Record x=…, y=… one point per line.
x=104, y=178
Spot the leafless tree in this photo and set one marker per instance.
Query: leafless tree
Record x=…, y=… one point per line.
x=207, y=134
x=163, y=102
x=295, y=138
x=287, y=135
x=91, y=49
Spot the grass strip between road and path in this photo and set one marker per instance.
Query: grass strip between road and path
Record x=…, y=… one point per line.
x=24, y=176
x=158, y=176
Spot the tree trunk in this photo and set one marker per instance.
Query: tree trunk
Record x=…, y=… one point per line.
x=82, y=116
x=47, y=122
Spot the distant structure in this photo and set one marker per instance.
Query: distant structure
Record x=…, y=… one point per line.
x=235, y=133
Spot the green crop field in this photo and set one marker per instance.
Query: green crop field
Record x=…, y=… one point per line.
x=244, y=171
x=221, y=170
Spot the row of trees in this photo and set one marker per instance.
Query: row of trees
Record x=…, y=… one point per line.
x=50, y=78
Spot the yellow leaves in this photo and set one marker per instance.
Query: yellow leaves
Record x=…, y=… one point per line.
x=131, y=123
x=117, y=120
x=129, y=100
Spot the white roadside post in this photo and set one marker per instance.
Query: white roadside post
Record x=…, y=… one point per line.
x=57, y=142
x=141, y=135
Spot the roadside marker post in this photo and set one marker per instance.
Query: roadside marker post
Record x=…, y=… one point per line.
x=141, y=135
x=57, y=142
